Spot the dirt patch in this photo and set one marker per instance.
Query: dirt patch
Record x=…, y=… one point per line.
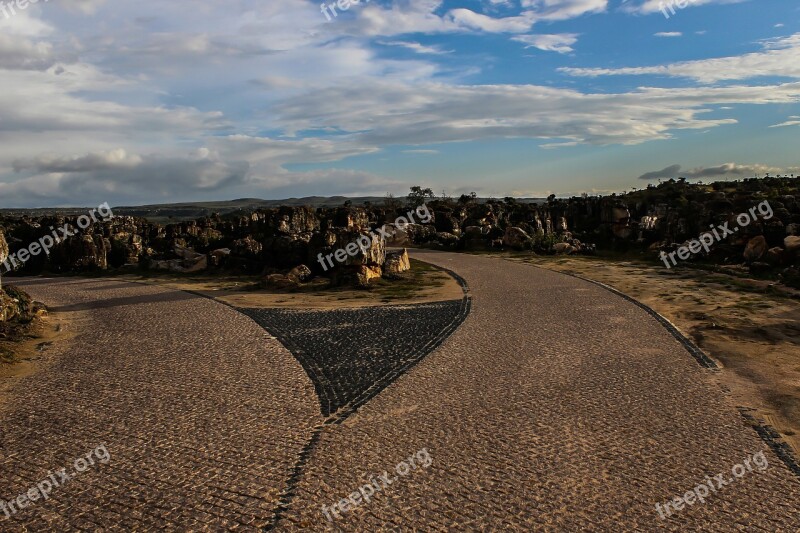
x=423, y=284
x=750, y=327
x=29, y=349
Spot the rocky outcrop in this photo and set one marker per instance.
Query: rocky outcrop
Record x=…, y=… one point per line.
x=517, y=239
x=3, y=252
x=17, y=306
x=397, y=263
x=188, y=261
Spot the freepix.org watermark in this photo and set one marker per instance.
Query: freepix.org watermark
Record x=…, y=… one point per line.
x=47, y=242
x=53, y=480
x=709, y=486
x=377, y=483
x=718, y=234
x=672, y=4
x=343, y=5
x=9, y=8
x=363, y=243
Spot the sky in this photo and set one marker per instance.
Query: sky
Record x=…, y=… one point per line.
x=142, y=102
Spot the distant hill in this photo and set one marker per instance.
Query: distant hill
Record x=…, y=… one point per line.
x=164, y=213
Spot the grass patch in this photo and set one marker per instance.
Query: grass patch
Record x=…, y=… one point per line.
x=422, y=276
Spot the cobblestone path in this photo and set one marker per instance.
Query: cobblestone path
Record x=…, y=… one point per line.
x=202, y=413
x=555, y=406
x=352, y=354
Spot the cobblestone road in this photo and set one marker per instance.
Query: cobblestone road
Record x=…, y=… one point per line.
x=556, y=406
x=202, y=413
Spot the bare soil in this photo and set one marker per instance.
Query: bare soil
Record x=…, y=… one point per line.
x=24, y=350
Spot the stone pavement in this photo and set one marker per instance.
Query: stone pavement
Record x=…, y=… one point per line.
x=556, y=406
x=203, y=415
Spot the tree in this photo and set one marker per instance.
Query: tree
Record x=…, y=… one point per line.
x=419, y=196
x=466, y=199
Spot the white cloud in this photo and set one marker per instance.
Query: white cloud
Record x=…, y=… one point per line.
x=417, y=47
x=668, y=34
x=381, y=113
x=561, y=43
x=793, y=121
x=421, y=16
x=781, y=57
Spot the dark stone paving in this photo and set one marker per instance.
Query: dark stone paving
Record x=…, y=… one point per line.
x=352, y=354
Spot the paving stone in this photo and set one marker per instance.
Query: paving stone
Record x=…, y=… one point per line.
x=351, y=354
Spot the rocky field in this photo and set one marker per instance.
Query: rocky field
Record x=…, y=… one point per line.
x=284, y=245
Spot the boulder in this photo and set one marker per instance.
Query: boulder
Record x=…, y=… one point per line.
x=775, y=255
x=4, y=251
x=188, y=261
x=793, y=229
x=248, y=248
x=299, y=274
x=446, y=239
x=563, y=248
x=755, y=249
x=397, y=262
x=17, y=305
x=218, y=256
x=516, y=238
x=399, y=237
x=366, y=273
x=279, y=281
x=792, y=244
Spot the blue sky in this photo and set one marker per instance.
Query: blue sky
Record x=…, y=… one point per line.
x=153, y=102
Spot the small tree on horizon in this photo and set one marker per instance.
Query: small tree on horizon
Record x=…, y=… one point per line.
x=419, y=196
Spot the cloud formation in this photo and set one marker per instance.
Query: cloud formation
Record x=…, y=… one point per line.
x=780, y=58
x=727, y=170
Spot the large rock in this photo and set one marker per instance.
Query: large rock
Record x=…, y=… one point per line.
x=399, y=237
x=516, y=238
x=218, y=257
x=775, y=255
x=755, y=249
x=365, y=274
x=792, y=244
x=446, y=239
x=279, y=281
x=299, y=273
x=189, y=261
x=563, y=248
x=3, y=249
x=15, y=304
x=397, y=262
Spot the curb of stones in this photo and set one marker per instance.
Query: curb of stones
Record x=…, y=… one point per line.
x=767, y=433
x=773, y=439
